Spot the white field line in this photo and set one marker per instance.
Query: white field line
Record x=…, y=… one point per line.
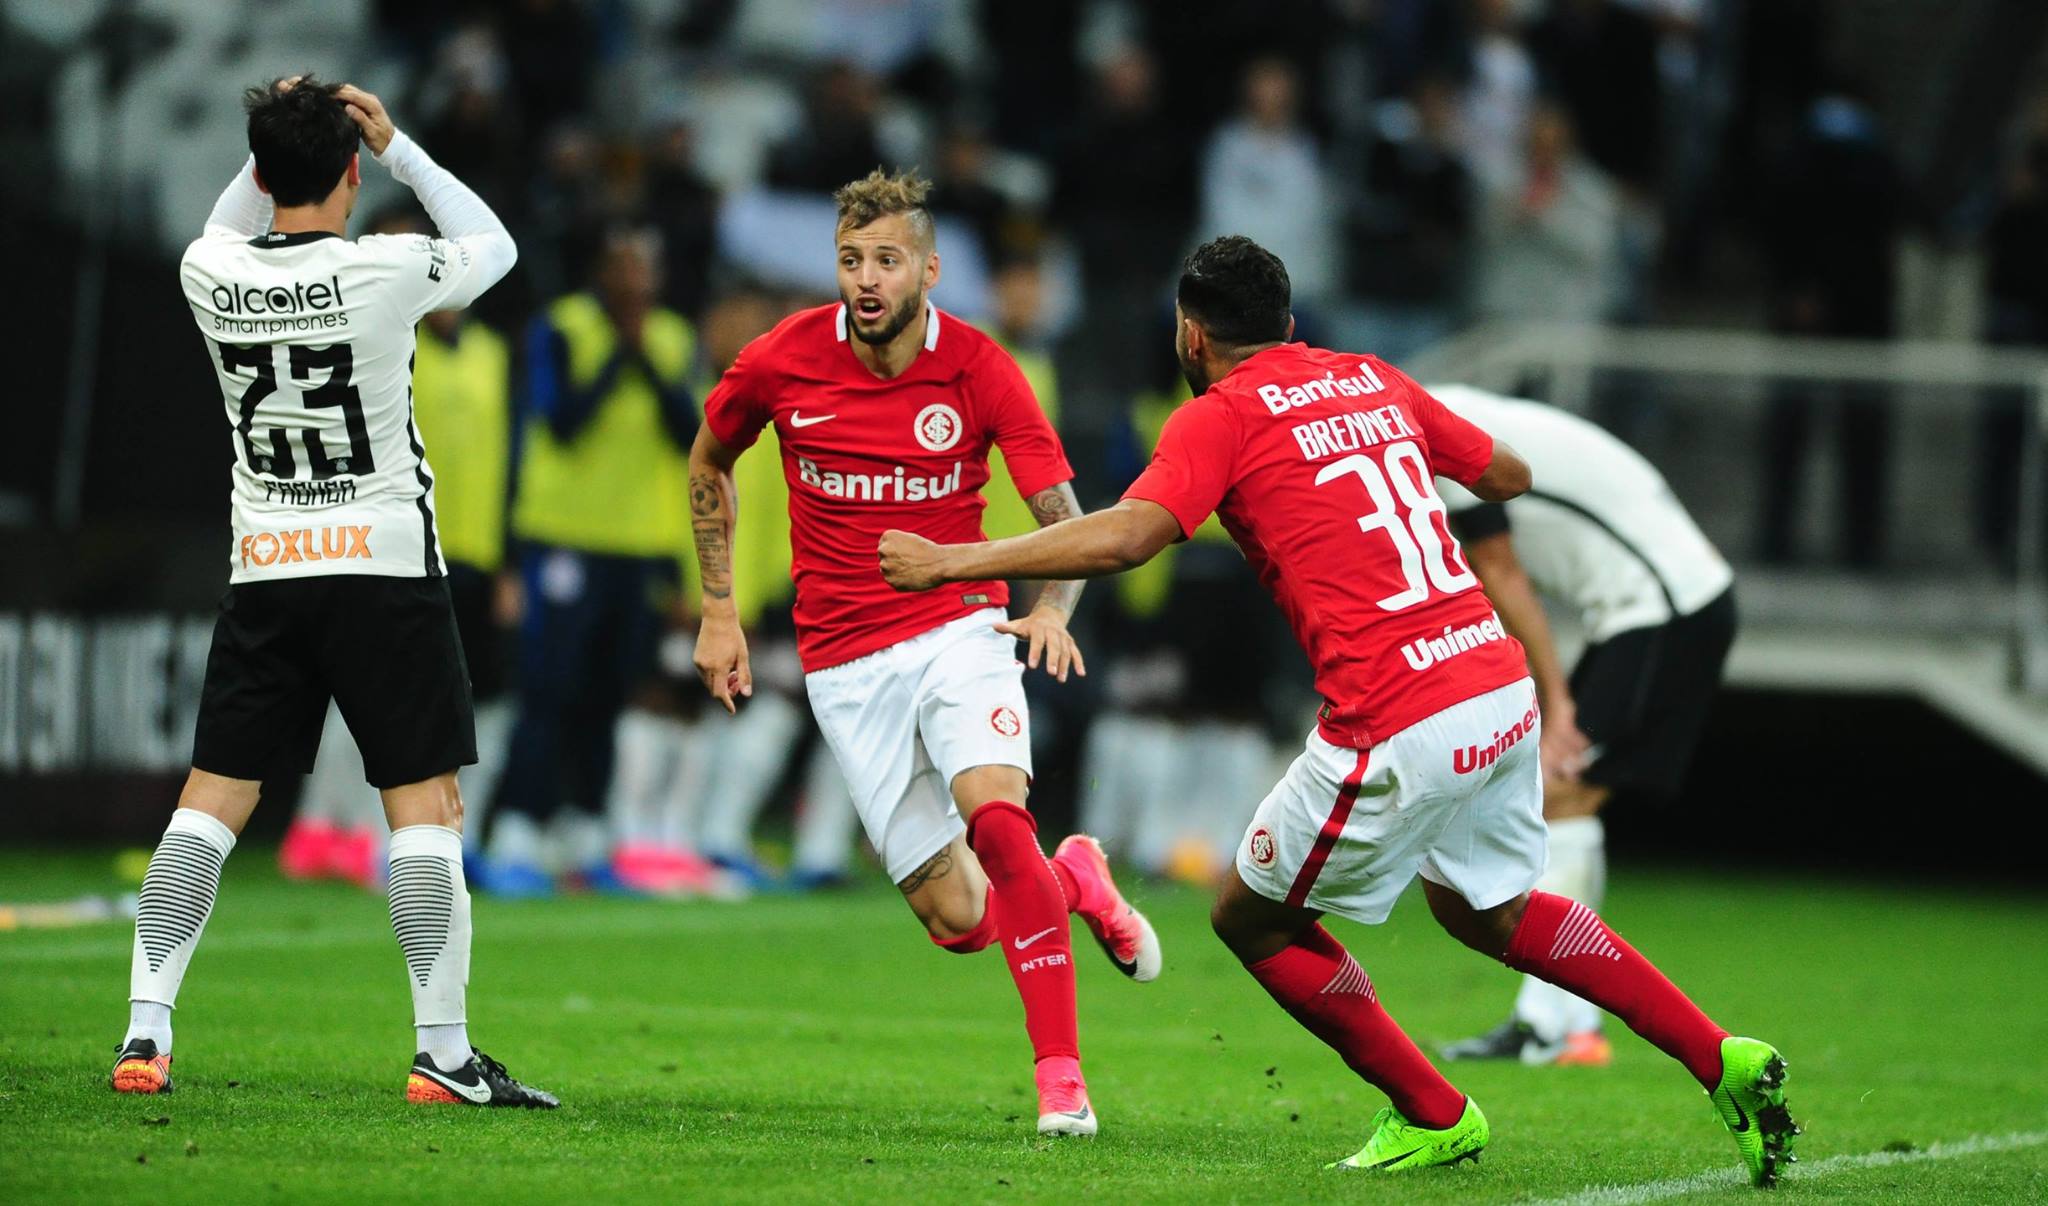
x=1729, y=1178
x=374, y=929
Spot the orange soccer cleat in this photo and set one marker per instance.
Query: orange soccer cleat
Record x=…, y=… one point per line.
x=140, y=1069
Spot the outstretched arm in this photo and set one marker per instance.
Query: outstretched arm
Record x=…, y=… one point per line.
x=714, y=513
x=244, y=209
x=1046, y=627
x=1110, y=541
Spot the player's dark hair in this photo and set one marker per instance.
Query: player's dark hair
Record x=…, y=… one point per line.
x=1237, y=290
x=302, y=138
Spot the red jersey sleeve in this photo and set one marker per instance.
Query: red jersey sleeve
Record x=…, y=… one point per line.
x=1458, y=449
x=737, y=408
x=1194, y=464
x=1030, y=447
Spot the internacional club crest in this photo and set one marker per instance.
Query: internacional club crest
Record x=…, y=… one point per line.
x=1262, y=847
x=1005, y=722
x=937, y=427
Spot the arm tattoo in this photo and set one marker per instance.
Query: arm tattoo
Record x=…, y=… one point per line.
x=1049, y=506
x=935, y=867
x=712, y=512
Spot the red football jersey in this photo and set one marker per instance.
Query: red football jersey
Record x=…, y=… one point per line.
x=1321, y=465
x=864, y=455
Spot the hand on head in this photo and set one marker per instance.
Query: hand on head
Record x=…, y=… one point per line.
x=368, y=114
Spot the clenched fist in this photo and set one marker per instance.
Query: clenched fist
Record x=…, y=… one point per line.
x=910, y=562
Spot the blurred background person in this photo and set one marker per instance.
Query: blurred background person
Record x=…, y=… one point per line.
x=1547, y=246
x=1834, y=211
x=1262, y=177
x=599, y=514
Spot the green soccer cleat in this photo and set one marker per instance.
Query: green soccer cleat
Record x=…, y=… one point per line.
x=1398, y=1145
x=1751, y=1103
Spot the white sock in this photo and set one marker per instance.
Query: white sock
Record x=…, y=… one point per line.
x=516, y=839
x=576, y=841
x=682, y=806
x=493, y=735
x=752, y=750
x=1578, y=869
x=170, y=914
x=149, y=1020
x=640, y=775
x=825, y=822
x=430, y=915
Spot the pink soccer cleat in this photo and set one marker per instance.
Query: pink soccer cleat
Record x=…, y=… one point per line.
x=1063, y=1107
x=1126, y=937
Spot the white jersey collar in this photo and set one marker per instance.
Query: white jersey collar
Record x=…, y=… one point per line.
x=931, y=324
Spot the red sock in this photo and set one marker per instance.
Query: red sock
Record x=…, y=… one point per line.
x=1566, y=943
x=1031, y=915
x=1070, y=888
x=1319, y=982
x=976, y=939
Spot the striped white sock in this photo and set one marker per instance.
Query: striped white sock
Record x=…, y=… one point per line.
x=430, y=914
x=170, y=914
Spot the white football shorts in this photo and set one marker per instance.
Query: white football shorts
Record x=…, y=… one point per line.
x=1456, y=797
x=906, y=720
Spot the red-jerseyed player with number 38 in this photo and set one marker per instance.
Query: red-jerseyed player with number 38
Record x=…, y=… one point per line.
x=1322, y=467
x=886, y=408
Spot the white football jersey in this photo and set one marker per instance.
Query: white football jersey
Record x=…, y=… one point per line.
x=311, y=336
x=1600, y=530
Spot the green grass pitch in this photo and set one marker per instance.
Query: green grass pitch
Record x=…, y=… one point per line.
x=819, y=1049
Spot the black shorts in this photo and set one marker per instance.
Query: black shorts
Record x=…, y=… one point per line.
x=384, y=649
x=1643, y=698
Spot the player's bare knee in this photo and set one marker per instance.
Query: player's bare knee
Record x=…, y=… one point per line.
x=435, y=801
x=229, y=801
x=979, y=785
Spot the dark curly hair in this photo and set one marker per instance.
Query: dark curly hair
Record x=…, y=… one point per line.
x=302, y=138
x=1237, y=290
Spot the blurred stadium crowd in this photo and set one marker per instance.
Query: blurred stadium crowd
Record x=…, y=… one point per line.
x=666, y=164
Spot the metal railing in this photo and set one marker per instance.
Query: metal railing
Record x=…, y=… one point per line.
x=1696, y=402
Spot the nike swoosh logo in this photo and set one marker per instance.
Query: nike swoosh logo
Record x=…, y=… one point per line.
x=478, y=1092
x=1739, y=1114
x=1021, y=943
x=797, y=419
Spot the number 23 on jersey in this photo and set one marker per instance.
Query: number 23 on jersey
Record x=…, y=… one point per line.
x=278, y=461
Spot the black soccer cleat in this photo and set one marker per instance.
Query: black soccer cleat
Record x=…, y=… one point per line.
x=1511, y=1039
x=480, y=1081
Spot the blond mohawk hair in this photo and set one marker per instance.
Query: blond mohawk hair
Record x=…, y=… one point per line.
x=879, y=194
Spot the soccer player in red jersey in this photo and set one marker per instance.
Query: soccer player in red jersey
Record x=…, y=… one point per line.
x=885, y=408
x=1424, y=760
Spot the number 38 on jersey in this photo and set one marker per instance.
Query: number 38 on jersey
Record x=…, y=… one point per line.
x=1407, y=510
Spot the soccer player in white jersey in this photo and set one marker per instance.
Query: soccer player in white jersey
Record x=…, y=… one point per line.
x=1601, y=534
x=338, y=588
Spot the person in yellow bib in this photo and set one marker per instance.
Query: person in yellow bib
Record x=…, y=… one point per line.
x=599, y=520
